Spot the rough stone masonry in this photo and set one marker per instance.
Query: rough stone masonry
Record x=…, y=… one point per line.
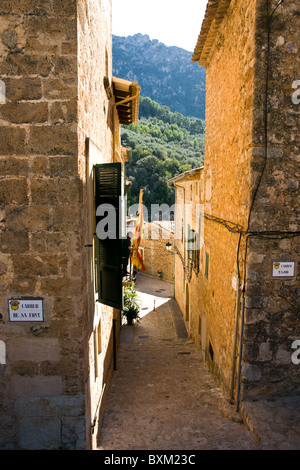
x=251, y=174
x=50, y=53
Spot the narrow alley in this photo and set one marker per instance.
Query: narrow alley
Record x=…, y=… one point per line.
x=162, y=395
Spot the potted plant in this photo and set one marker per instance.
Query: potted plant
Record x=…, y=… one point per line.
x=131, y=306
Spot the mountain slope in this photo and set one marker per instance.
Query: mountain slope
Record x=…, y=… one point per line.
x=165, y=74
x=163, y=144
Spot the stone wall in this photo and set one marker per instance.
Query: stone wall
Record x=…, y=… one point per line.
x=235, y=163
x=227, y=177
x=272, y=305
x=95, y=122
x=189, y=269
x=52, y=104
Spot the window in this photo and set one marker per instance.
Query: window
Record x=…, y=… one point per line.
x=191, y=243
x=196, y=260
x=108, y=248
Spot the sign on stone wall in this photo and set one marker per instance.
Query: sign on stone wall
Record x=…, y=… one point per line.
x=283, y=269
x=25, y=310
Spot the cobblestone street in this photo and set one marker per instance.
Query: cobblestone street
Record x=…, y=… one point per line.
x=162, y=395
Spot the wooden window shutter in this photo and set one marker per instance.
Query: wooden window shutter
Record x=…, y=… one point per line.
x=206, y=264
x=191, y=241
x=109, y=253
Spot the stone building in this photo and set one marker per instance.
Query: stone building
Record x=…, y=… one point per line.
x=240, y=294
x=189, y=203
x=157, y=260
x=60, y=158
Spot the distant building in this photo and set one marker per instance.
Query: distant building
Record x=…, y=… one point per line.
x=240, y=293
x=157, y=260
x=189, y=255
x=60, y=158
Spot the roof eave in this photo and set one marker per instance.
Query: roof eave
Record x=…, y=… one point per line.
x=127, y=95
x=214, y=15
x=185, y=174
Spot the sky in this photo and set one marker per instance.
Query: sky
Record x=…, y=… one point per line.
x=172, y=22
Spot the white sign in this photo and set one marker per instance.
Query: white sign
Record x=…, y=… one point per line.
x=25, y=310
x=283, y=269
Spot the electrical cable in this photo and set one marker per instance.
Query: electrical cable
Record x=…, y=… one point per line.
x=249, y=233
x=237, y=228
x=231, y=226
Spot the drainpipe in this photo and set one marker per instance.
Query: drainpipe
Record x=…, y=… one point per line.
x=235, y=340
x=243, y=289
x=240, y=352
x=97, y=409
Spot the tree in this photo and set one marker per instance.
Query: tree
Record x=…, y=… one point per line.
x=164, y=144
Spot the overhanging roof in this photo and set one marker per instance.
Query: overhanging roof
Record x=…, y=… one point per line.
x=127, y=96
x=185, y=174
x=215, y=12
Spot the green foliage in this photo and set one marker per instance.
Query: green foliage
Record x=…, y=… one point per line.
x=151, y=109
x=164, y=144
x=131, y=307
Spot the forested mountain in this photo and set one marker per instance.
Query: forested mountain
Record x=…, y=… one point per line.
x=169, y=137
x=165, y=74
x=163, y=145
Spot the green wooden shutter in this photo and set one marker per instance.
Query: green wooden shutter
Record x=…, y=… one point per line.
x=206, y=264
x=109, y=253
